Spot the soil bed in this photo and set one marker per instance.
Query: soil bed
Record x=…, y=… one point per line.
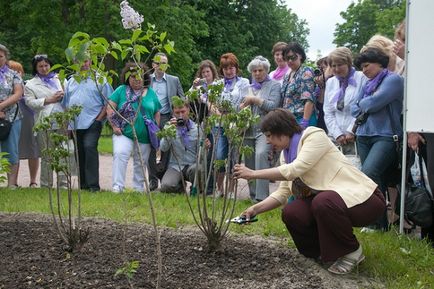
x=31, y=256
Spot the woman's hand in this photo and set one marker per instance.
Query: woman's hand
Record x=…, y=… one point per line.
x=55, y=97
x=117, y=130
x=196, y=82
x=243, y=172
x=2, y=114
x=413, y=140
x=250, y=100
x=249, y=213
x=349, y=137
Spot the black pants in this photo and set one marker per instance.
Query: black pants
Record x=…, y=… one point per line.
x=88, y=159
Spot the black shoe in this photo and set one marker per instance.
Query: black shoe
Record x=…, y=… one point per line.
x=153, y=185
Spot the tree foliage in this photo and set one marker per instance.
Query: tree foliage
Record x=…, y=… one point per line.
x=201, y=29
x=365, y=18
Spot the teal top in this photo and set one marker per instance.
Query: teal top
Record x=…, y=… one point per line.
x=151, y=106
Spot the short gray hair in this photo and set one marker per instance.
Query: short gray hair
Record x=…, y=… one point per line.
x=259, y=61
x=5, y=50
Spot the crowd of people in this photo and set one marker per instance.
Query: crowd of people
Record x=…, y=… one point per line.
x=313, y=117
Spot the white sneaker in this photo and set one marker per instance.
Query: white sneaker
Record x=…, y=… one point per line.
x=117, y=189
x=367, y=230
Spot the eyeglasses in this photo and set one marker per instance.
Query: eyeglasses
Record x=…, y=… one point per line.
x=292, y=57
x=40, y=56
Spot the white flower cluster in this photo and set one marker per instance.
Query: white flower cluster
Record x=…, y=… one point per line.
x=130, y=18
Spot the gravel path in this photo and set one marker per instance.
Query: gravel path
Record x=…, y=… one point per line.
x=105, y=175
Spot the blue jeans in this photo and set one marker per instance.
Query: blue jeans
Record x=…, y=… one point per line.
x=10, y=145
x=222, y=145
x=377, y=154
x=88, y=159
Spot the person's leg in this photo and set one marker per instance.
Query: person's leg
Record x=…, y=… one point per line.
x=140, y=165
x=221, y=152
x=381, y=155
x=335, y=222
x=81, y=158
x=261, y=162
x=33, y=170
x=249, y=161
x=46, y=176
x=301, y=224
x=171, y=181
x=10, y=145
x=122, y=148
x=91, y=156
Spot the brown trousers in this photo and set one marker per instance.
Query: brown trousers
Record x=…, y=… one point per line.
x=323, y=225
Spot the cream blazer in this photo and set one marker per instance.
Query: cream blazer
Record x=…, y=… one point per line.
x=35, y=93
x=321, y=166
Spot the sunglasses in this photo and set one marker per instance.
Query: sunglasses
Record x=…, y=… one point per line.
x=292, y=57
x=40, y=56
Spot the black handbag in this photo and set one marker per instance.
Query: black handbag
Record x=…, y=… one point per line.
x=6, y=126
x=418, y=201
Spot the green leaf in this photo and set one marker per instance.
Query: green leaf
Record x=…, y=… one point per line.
x=69, y=53
x=136, y=35
x=163, y=36
x=169, y=47
x=114, y=54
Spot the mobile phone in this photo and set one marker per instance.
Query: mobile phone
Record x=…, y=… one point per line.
x=242, y=220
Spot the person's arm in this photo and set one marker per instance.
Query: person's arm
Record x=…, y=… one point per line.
x=243, y=172
x=179, y=90
x=110, y=112
x=330, y=109
x=14, y=98
x=266, y=205
x=390, y=89
x=307, y=82
x=157, y=117
x=273, y=99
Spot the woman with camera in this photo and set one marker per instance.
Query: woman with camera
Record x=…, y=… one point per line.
x=136, y=81
x=298, y=87
x=340, y=94
x=263, y=96
x=377, y=110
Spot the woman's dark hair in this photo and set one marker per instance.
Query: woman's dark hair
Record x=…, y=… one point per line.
x=372, y=55
x=133, y=67
x=295, y=48
x=280, y=122
x=38, y=58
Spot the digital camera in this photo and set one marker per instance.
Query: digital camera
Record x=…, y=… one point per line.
x=180, y=121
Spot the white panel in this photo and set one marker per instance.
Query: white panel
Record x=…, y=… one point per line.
x=420, y=66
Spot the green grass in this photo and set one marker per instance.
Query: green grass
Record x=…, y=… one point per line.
x=105, y=145
x=398, y=261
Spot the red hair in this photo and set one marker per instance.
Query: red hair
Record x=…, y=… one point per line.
x=228, y=60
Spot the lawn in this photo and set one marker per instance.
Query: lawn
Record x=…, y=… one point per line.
x=399, y=261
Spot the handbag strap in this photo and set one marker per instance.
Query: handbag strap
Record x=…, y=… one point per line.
x=394, y=130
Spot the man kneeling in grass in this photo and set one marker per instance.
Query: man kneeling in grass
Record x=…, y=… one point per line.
x=183, y=149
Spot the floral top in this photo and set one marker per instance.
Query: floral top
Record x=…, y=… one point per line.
x=11, y=78
x=297, y=88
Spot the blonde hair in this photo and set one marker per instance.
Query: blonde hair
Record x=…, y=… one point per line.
x=385, y=45
x=400, y=31
x=341, y=54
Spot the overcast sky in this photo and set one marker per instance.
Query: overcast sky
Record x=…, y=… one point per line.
x=321, y=16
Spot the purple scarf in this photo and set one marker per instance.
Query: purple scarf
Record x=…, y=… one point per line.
x=372, y=84
x=127, y=110
x=258, y=85
x=3, y=71
x=280, y=72
x=48, y=80
x=343, y=84
x=229, y=83
x=183, y=132
x=290, y=153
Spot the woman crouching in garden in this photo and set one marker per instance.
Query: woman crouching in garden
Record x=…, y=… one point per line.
x=330, y=195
